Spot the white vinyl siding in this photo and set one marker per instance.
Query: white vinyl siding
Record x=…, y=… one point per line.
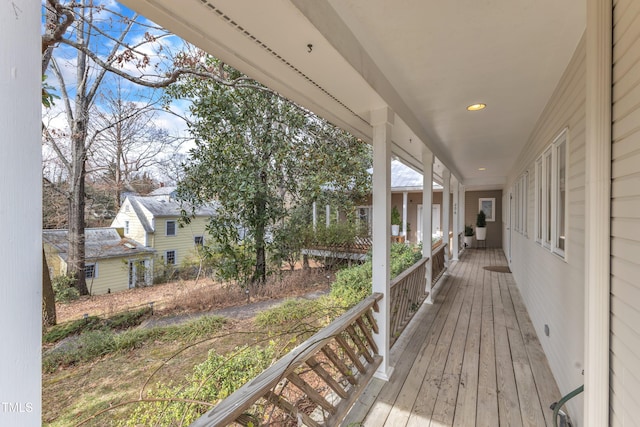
x=625, y=216
x=551, y=287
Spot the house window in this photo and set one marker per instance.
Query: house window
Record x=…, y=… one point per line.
x=90, y=271
x=520, y=203
x=538, y=199
x=365, y=215
x=560, y=190
x=126, y=227
x=551, y=196
x=170, y=257
x=198, y=240
x=546, y=222
x=171, y=228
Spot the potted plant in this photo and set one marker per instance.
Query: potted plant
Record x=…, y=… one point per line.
x=396, y=220
x=468, y=236
x=481, y=226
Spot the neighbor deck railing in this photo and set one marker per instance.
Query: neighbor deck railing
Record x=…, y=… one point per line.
x=315, y=384
x=407, y=292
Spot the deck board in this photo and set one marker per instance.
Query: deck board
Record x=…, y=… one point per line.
x=472, y=358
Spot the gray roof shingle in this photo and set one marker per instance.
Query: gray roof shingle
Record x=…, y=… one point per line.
x=99, y=243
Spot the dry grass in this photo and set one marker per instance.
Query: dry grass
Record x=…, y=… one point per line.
x=74, y=393
x=189, y=296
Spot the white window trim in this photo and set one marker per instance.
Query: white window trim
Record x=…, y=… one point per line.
x=175, y=257
x=95, y=270
x=539, y=174
x=127, y=227
x=559, y=140
x=546, y=194
x=166, y=228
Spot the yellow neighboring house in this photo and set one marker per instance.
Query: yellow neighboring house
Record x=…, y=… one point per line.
x=153, y=221
x=112, y=262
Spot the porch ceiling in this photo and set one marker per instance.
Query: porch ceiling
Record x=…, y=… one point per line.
x=426, y=60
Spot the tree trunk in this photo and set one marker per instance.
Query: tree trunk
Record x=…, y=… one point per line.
x=260, y=273
x=76, y=254
x=48, y=297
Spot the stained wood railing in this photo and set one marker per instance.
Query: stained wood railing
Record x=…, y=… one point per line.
x=407, y=292
x=315, y=384
x=438, y=264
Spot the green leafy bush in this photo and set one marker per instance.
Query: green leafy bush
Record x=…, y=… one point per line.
x=92, y=344
x=63, y=288
x=212, y=380
x=353, y=284
x=118, y=321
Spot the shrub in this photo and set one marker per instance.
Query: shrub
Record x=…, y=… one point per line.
x=305, y=316
x=119, y=321
x=92, y=344
x=212, y=380
x=63, y=288
x=353, y=284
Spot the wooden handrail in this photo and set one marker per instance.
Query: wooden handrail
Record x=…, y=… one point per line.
x=344, y=349
x=407, y=292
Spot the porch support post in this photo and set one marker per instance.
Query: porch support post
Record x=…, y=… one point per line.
x=382, y=122
x=456, y=220
x=327, y=219
x=315, y=216
x=598, y=213
x=463, y=197
x=446, y=203
x=427, y=213
x=20, y=214
x=404, y=215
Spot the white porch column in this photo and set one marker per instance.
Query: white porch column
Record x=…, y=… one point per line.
x=327, y=219
x=461, y=206
x=427, y=213
x=315, y=216
x=598, y=214
x=456, y=219
x=20, y=214
x=405, y=196
x=382, y=121
x=446, y=203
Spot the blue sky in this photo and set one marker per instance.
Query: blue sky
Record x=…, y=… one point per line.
x=111, y=21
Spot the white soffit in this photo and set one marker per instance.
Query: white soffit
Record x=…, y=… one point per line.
x=427, y=60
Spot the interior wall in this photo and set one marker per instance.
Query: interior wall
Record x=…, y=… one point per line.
x=625, y=216
x=471, y=209
x=552, y=287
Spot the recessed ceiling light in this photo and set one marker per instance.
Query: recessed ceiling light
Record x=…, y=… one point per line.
x=476, y=107
x=482, y=169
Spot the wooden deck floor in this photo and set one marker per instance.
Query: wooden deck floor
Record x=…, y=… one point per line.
x=470, y=359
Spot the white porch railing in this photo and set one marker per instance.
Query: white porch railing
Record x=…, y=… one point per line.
x=315, y=384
